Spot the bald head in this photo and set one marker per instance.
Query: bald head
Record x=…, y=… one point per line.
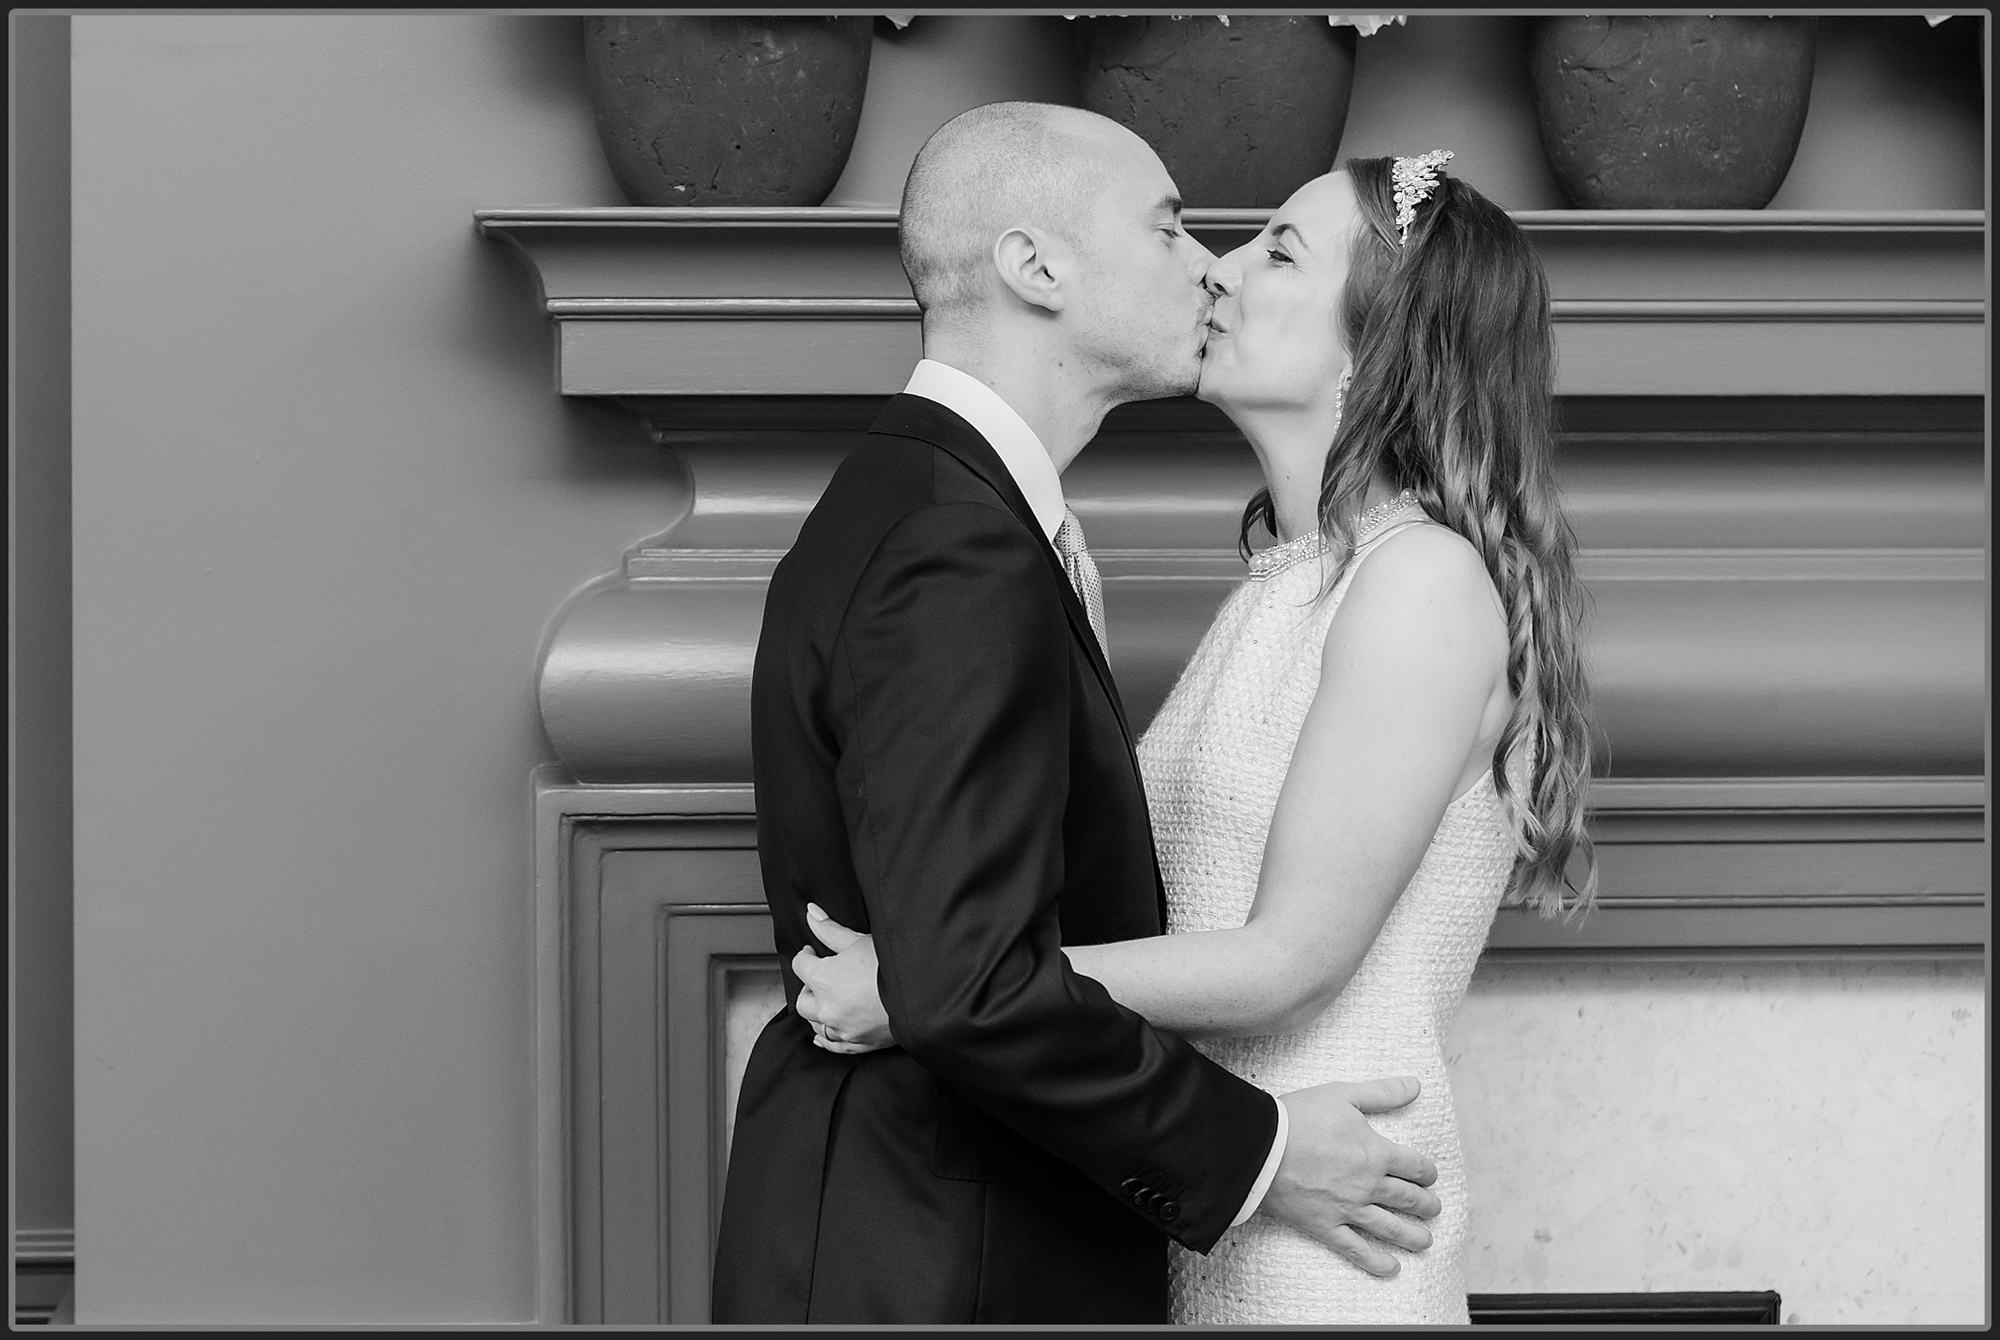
x=993, y=168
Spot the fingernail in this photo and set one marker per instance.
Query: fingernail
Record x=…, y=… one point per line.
x=812, y=910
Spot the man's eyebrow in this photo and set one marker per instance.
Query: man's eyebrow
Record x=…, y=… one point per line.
x=1170, y=203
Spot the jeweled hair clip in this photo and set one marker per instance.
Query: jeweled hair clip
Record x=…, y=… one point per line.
x=1415, y=179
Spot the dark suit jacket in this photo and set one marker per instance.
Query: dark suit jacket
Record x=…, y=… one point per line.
x=941, y=759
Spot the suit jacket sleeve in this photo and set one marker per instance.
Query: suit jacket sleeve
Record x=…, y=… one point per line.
x=956, y=654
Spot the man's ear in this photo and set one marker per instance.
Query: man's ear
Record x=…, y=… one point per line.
x=1033, y=267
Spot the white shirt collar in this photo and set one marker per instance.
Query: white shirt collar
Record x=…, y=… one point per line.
x=1016, y=444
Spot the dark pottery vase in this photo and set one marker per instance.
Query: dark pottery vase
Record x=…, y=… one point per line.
x=1672, y=113
x=727, y=111
x=1242, y=114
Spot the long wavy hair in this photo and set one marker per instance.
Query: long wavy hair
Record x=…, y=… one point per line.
x=1452, y=396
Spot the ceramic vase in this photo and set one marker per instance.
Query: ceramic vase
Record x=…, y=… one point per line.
x=1684, y=112
x=727, y=110
x=1242, y=113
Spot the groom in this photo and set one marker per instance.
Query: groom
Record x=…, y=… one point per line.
x=942, y=759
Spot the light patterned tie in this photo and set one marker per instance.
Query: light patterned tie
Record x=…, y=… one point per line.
x=1082, y=570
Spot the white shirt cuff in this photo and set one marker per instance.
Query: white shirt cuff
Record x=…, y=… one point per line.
x=1263, y=1183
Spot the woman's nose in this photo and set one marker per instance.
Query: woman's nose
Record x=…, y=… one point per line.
x=1223, y=276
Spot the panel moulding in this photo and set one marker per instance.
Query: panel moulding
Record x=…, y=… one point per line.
x=700, y=927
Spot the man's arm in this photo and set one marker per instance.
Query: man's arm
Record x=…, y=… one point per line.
x=1339, y=1182
x=953, y=657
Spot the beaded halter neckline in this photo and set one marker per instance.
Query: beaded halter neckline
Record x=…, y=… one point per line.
x=1268, y=563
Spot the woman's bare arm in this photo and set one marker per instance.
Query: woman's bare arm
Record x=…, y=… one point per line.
x=1414, y=670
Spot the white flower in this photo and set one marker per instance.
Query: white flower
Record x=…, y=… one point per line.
x=900, y=20
x=1367, y=25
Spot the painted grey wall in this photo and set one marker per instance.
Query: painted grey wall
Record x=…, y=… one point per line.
x=1458, y=81
x=923, y=75
x=1897, y=118
x=39, y=564
x=325, y=499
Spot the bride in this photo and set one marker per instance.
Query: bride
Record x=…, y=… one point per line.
x=1382, y=735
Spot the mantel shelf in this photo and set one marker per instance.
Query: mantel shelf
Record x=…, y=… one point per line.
x=688, y=301
x=1533, y=220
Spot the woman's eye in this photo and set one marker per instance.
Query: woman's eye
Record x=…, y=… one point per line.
x=1280, y=257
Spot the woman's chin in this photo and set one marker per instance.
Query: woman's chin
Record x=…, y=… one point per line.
x=1206, y=388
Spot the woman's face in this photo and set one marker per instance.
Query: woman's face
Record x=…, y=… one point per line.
x=1274, y=341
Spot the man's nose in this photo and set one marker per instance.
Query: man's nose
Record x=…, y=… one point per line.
x=1202, y=256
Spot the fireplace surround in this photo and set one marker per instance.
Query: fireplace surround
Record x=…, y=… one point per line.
x=1773, y=438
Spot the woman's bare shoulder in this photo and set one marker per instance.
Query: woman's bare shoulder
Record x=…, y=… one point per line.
x=1420, y=594
x=1429, y=563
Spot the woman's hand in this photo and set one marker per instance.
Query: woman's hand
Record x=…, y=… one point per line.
x=839, y=997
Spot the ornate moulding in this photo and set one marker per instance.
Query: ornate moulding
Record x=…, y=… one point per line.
x=1647, y=302
x=1773, y=454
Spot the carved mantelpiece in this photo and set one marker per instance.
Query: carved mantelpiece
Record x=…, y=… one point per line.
x=1773, y=455
x=1795, y=599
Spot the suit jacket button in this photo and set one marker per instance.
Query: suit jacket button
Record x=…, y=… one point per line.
x=1130, y=1186
x=1170, y=1211
x=1151, y=1201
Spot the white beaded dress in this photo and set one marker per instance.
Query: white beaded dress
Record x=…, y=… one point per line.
x=1213, y=762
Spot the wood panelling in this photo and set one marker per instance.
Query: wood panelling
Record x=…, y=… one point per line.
x=1692, y=866
x=657, y=895
x=661, y=910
